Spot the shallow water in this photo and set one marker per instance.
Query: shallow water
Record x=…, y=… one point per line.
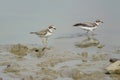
x=57, y=61
x=67, y=43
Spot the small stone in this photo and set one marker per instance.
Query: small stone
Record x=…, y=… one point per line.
x=39, y=52
x=114, y=68
x=112, y=60
x=8, y=65
x=36, y=50
x=100, y=46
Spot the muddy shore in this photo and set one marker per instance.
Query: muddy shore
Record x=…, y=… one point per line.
x=37, y=63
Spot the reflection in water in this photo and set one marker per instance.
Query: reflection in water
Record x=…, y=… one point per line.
x=88, y=42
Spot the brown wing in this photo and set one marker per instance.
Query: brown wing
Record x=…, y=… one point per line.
x=43, y=32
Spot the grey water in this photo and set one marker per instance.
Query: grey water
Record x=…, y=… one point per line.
x=19, y=18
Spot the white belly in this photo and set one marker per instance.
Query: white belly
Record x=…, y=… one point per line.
x=48, y=34
x=88, y=28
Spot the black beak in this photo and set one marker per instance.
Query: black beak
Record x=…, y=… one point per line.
x=102, y=22
x=54, y=28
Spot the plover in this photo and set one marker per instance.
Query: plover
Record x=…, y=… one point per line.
x=44, y=34
x=89, y=26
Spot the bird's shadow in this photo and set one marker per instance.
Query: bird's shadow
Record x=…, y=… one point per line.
x=75, y=35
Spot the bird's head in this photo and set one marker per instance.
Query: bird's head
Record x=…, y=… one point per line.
x=52, y=27
x=99, y=21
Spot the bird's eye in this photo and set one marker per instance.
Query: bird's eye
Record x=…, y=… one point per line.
x=50, y=27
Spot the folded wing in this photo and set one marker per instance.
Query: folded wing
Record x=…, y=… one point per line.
x=85, y=24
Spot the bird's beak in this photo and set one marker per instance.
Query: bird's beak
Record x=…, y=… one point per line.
x=54, y=28
x=102, y=22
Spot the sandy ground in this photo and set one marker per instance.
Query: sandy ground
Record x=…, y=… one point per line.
x=53, y=64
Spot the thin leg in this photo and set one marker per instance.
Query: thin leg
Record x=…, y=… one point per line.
x=47, y=40
x=87, y=36
x=93, y=33
x=87, y=31
x=42, y=41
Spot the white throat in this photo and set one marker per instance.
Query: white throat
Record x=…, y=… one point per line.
x=97, y=23
x=50, y=30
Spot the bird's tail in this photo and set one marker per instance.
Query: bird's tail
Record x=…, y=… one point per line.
x=33, y=32
x=78, y=24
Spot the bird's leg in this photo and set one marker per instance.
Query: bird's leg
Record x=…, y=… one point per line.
x=46, y=42
x=87, y=36
x=43, y=41
x=46, y=46
x=87, y=31
x=93, y=33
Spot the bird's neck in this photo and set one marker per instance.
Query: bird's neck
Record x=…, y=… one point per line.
x=50, y=30
x=97, y=23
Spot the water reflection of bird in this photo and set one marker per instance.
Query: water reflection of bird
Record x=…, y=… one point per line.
x=44, y=34
x=88, y=26
x=88, y=42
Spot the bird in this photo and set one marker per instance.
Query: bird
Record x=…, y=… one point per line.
x=89, y=26
x=45, y=34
